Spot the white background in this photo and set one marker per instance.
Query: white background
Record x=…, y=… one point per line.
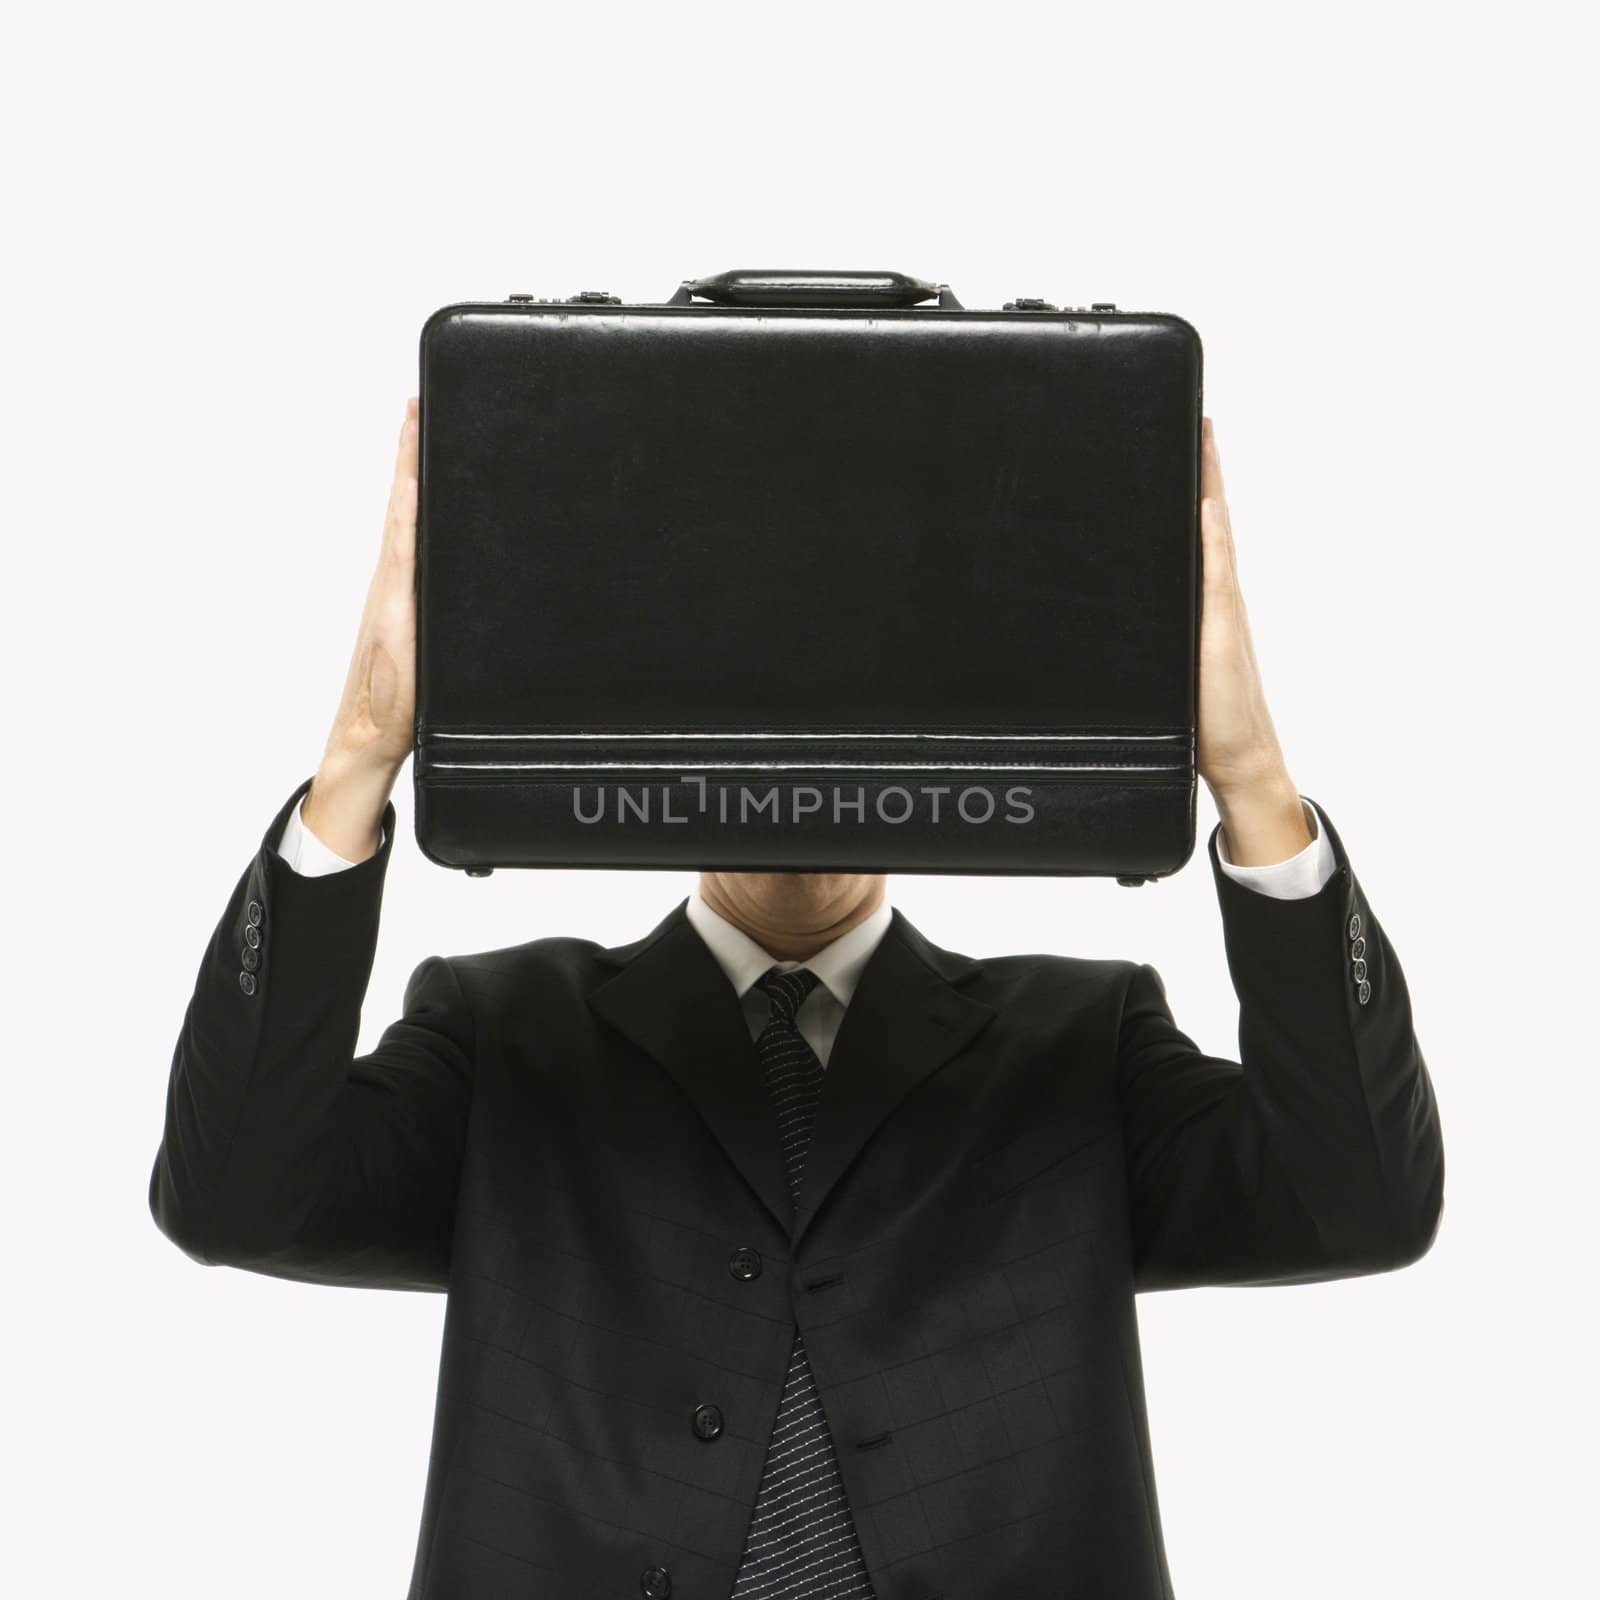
x=226, y=229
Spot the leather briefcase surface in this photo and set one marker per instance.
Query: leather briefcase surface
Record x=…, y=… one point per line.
x=808, y=570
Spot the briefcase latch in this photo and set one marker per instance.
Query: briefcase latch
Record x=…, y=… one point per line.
x=584, y=297
x=1033, y=303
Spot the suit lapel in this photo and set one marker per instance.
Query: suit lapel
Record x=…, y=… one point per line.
x=906, y=1018
x=672, y=1000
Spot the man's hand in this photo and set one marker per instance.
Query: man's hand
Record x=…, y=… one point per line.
x=372, y=731
x=1238, y=752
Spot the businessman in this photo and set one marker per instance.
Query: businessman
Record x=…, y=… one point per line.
x=790, y=1256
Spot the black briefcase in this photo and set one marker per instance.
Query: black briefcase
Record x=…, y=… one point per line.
x=808, y=570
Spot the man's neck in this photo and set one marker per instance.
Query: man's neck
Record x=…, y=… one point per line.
x=793, y=915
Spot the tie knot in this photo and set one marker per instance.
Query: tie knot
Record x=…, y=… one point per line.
x=786, y=990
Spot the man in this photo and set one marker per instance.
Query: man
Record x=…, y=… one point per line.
x=790, y=1256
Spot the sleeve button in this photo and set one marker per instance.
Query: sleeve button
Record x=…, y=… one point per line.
x=249, y=959
x=1359, y=948
x=252, y=935
x=247, y=982
x=1365, y=992
x=1359, y=968
x=1355, y=924
x=253, y=912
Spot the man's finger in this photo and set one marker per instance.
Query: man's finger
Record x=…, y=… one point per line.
x=400, y=527
x=405, y=465
x=1218, y=568
x=399, y=521
x=1210, y=463
x=1211, y=488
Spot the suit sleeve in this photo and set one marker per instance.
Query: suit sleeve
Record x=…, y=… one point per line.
x=283, y=1151
x=1302, y=874
x=1317, y=1155
x=306, y=853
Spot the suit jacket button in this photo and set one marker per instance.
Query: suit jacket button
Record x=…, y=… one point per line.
x=1359, y=948
x=253, y=912
x=247, y=982
x=1359, y=968
x=1355, y=923
x=249, y=959
x=655, y=1583
x=707, y=1422
x=1364, y=993
x=745, y=1263
x=252, y=935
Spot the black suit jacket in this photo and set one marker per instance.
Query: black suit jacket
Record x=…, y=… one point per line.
x=576, y=1143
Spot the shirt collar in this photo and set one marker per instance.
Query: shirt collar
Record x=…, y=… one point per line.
x=839, y=965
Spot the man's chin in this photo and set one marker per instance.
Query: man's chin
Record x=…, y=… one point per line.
x=797, y=899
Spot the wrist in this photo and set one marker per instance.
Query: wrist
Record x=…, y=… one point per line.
x=1263, y=783
x=358, y=766
x=1263, y=819
x=345, y=804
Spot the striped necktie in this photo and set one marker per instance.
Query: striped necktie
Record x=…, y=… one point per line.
x=802, y=1542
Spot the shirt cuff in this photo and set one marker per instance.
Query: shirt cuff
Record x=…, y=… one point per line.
x=306, y=853
x=1301, y=876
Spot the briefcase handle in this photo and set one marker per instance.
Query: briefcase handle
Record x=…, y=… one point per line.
x=792, y=286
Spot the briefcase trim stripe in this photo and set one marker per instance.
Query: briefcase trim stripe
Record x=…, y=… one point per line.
x=808, y=766
x=458, y=755
x=542, y=735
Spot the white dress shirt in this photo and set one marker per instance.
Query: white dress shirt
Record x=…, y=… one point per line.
x=839, y=964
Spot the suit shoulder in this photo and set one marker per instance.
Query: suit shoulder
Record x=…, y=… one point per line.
x=555, y=955
x=1036, y=969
